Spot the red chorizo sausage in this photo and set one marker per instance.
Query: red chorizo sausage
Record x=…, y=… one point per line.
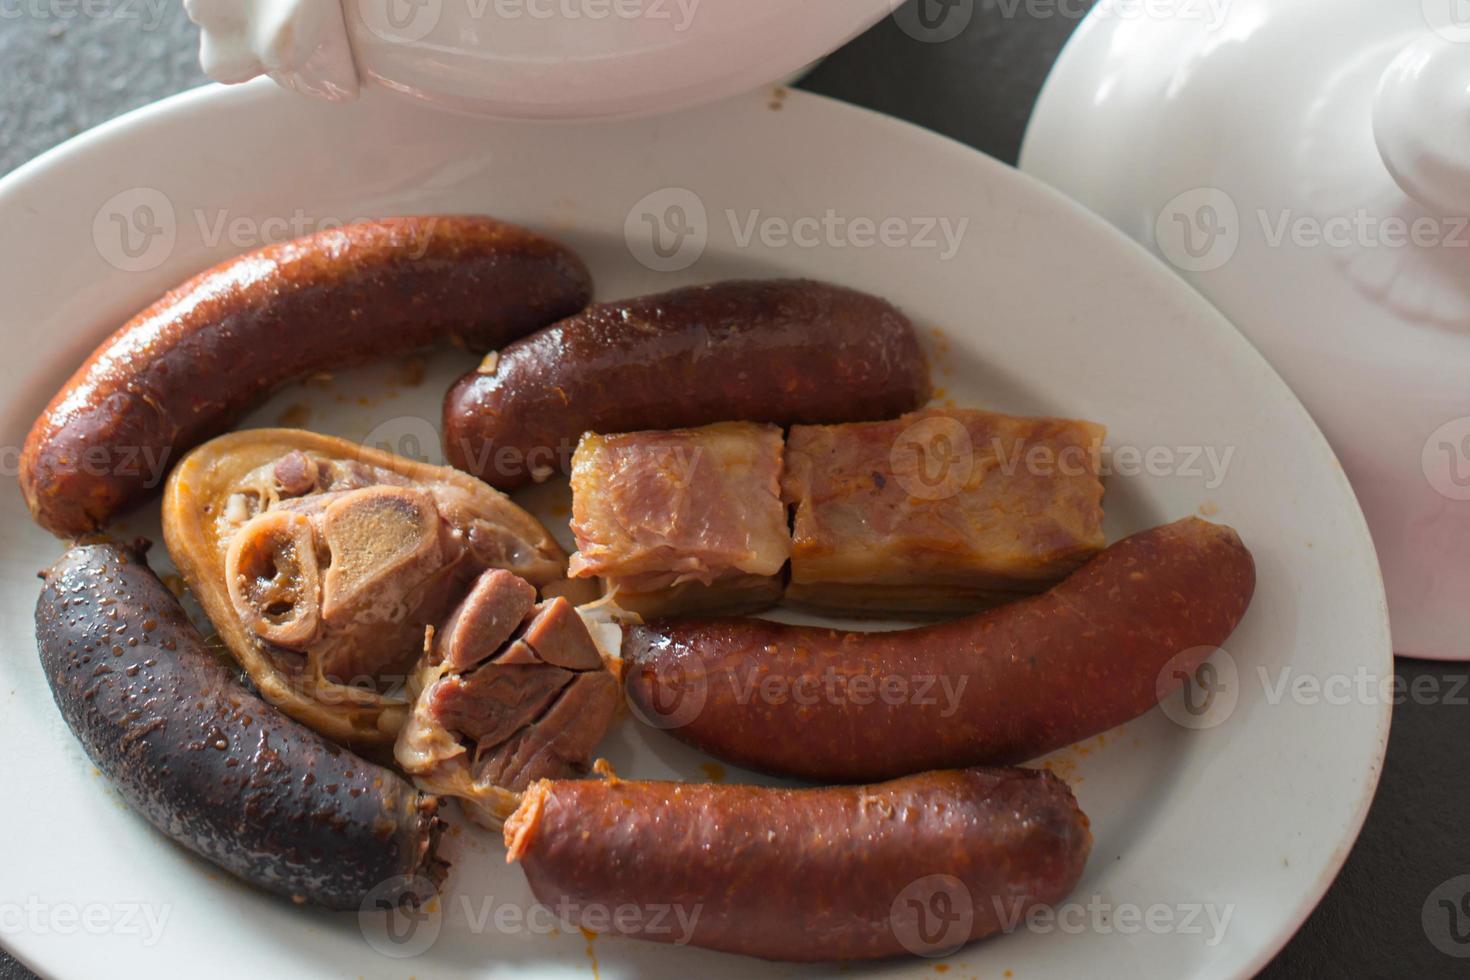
x=778, y=351
x=191, y=364
x=1000, y=687
x=918, y=865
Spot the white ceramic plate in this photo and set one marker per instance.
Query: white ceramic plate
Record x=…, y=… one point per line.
x=1038, y=308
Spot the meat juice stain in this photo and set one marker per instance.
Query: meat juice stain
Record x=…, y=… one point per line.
x=295, y=416
x=411, y=372
x=713, y=771
x=591, y=937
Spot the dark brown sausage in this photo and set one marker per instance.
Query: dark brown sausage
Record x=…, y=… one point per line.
x=211, y=765
x=191, y=364
x=779, y=351
x=919, y=865
x=1001, y=687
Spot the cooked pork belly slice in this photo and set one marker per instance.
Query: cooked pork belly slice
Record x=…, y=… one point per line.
x=940, y=511
x=731, y=595
x=681, y=519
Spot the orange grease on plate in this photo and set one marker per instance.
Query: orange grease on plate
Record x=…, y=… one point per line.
x=411, y=372
x=590, y=936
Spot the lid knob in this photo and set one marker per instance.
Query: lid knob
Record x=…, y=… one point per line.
x=1421, y=122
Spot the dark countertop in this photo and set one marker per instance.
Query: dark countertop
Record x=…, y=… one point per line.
x=64, y=75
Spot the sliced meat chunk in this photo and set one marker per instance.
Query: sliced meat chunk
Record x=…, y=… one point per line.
x=944, y=510
x=489, y=615
x=492, y=705
x=536, y=707
x=560, y=742
x=558, y=636
x=682, y=520
x=295, y=474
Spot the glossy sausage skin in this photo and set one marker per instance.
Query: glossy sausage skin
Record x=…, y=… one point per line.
x=211, y=765
x=191, y=364
x=919, y=865
x=1004, y=686
x=778, y=351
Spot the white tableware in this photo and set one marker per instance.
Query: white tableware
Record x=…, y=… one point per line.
x=1305, y=165
x=531, y=59
x=1215, y=834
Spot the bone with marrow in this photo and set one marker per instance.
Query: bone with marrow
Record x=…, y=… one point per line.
x=322, y=563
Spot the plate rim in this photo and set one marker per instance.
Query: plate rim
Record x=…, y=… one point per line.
x=264, y=90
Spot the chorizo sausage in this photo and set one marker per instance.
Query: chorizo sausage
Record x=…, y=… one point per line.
x=191, y=364
x=777, y=351
x=1000, y=687
x=211, y=765
x=917, y=865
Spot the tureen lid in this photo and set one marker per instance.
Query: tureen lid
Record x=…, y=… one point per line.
x=541, y=59
x=1306, y=166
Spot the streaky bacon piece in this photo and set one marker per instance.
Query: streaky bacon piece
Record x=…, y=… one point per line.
x=944, y=510
x=682, y=520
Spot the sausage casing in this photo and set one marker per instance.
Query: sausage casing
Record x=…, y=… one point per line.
x=206, y=762
x=917, y=865
x=1000, y=687
x=776, y=351
x=191, y=364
